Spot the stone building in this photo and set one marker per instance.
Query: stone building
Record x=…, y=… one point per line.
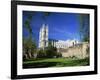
x=79, y=51
x=52, y=42
x=66, y=44
x=43, y=36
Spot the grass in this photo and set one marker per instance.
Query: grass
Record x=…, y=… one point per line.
x=55, y=62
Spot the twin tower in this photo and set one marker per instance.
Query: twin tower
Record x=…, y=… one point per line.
x=43, y=36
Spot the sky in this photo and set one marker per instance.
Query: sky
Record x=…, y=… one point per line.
x=62, y=26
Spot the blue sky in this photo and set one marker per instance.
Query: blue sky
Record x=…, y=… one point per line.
x=62, y=26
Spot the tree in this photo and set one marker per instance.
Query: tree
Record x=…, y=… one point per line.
x=29, y=47
x=84, y=27
x=50, y=51
x=27, y=24
x=28, y=43
x=41, y=53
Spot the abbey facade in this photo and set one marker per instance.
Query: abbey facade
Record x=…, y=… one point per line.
x=44, y=40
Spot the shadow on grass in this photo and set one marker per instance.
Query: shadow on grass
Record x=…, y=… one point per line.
x=40, y=65
x=32, y=59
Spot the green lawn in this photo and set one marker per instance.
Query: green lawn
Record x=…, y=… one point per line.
x=55, y=62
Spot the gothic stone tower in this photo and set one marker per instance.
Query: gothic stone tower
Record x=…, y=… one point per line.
x=43, y=36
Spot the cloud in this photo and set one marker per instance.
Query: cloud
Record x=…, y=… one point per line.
x=66, y=33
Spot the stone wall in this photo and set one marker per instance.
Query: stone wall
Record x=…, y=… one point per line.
x=79, y=51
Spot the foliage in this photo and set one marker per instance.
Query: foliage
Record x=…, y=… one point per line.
x=27, y=24
x=59, y=55
x=29, y=46
x=41, y=53
x=84, y=27
x=48, y=52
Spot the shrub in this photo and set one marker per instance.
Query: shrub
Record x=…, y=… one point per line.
x=59, y=55
x=40, y=54
x=50, y=52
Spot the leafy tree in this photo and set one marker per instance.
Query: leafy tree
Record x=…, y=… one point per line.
x=41, y=53
x=59, y=55
x=84, y=27
x=28, y=43
x=29, y=47
x=48, y=52
x=27, y=24
x=51, y=51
